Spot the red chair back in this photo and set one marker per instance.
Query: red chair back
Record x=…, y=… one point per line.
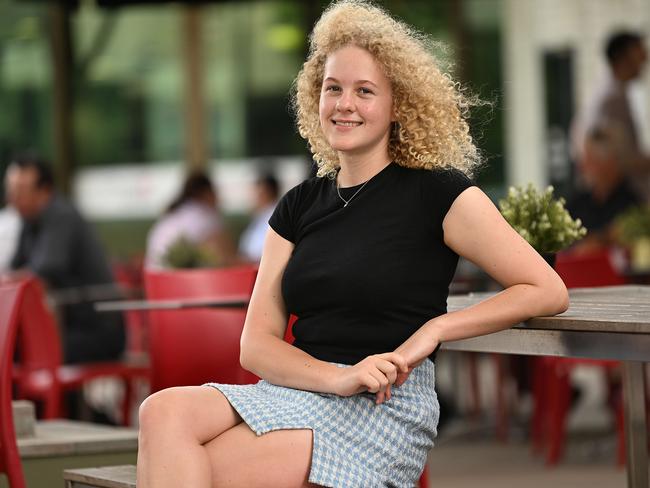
x=130, y=277
x=10, y=297
x=195, y=346
x=593, y=269
x=39, y=342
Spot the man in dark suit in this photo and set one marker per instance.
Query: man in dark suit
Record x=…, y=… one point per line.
x=60, y=247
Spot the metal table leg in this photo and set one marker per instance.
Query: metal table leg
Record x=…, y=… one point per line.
x=636, y=434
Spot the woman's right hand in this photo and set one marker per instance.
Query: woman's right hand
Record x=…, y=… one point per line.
x=374, y=374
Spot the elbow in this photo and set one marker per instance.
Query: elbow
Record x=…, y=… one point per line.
x=556, y=297
x=245, y=354
x=563, y=299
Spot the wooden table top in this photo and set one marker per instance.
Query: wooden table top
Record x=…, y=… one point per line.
x=605, y=309
x=232, y=301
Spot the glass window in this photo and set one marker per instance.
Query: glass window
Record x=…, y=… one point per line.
x=25, y=79
x=129, y=84
x=252, y=52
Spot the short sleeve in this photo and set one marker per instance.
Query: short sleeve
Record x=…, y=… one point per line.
x=283, y=218
x=442, y=187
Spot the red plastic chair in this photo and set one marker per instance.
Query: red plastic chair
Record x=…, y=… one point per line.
x=10, y=297
x=130, y=277
x=43, y=376
x=593, y=269
x=195, y=346
x=552, y=375
x=424, y=478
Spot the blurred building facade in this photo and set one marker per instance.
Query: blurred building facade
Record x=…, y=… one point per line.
x=125, y=95
x=553, y=64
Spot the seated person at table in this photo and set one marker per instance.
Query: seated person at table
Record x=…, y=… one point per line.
x=9, y=230
x=605, y=192
x=251, y=243
x=194, y=217
x=60, y=247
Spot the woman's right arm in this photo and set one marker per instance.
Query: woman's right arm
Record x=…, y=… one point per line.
x=265, y=353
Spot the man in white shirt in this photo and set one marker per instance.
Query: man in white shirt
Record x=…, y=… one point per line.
x=610, y=110
x=9, y=232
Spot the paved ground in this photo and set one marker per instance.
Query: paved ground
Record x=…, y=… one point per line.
x=468, y=456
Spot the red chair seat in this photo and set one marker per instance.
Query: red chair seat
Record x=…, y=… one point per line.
x=72, y=377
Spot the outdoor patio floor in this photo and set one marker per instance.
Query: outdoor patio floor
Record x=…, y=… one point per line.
x=469, y=456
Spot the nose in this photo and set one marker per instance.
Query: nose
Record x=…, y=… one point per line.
x=345, y=103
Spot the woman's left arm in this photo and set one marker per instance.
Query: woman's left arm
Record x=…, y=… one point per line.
x=475, y=229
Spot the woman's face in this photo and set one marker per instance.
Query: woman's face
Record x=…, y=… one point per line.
x=356, y=103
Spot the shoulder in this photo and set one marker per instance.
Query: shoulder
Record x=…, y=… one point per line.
x=438, y=175
x=435, y=189
x=291, y=208
x=61, y=212
x=307, y=188
x=445, y=181
x=305, y=194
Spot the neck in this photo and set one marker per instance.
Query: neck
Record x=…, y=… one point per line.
x=356, y=170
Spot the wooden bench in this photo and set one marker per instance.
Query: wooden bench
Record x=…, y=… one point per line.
x=105, y=477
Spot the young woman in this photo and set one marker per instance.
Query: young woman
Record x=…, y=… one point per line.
x=363, y=254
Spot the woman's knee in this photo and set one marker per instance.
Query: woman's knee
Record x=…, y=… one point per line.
x=189, y=412
x=161, y=408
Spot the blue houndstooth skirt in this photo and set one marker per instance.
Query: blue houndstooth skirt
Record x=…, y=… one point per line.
x=355, y=442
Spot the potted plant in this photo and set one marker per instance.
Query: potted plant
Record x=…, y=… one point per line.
x=183, y=253
x=541, y=219
x=632, y=229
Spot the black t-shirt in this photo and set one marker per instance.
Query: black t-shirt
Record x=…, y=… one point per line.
x=365, y=277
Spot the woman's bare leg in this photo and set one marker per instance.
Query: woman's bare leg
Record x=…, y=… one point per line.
x=241, y=459
x=174, y=425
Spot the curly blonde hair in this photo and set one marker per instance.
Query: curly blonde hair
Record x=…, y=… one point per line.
x=431, y=130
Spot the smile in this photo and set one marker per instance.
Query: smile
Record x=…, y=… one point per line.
x=345, y=123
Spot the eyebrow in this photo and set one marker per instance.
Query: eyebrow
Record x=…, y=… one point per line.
x=358, y=82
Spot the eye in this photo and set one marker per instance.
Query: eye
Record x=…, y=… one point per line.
x=365, y=91
x=332, y=88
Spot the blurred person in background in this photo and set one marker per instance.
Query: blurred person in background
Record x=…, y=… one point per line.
x=60, y=247
x=9, y=230
x=267, y=190
x=193, y=216
x=605, y=193
x=610, y=110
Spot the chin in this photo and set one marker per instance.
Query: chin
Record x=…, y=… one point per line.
x=339, y=145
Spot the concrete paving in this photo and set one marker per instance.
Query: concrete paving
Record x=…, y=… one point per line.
x=469, y=456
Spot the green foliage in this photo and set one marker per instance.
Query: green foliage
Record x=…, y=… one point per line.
x=185, y=254
x=633, y=225
x=540, y=218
